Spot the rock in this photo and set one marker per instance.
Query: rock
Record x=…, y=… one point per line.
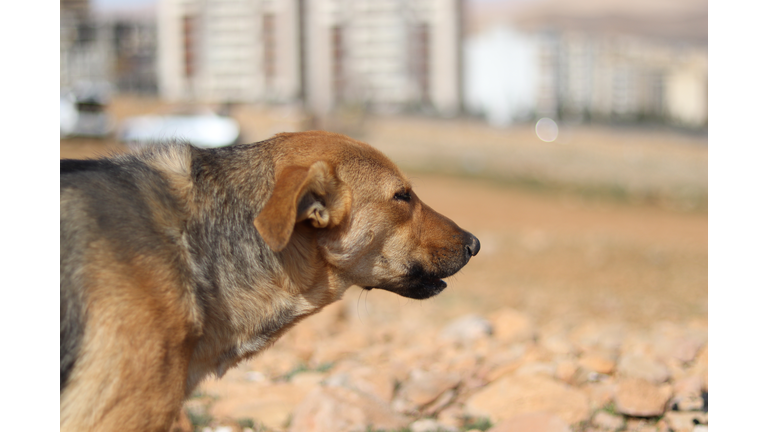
x=597, y=362
x=532, y=422
x=379, y=384
x=512, y=395
x=340, y=346
x=607, y=421
x=700, y=367
x=440, y=403
x=269, y=404
x=565, y=371
x=511, y=326
x=423, y=387
x=558, y=344
x=600, y=394
x=640, y=425
x=467, y=329
x=690, y=403
x=641, y=366
x=641, y=398
x=537, y=368
x=593, y=335
x=307, y=379
x=683, y=349
x=688, y=386
x=340, y=409
x=451, y=416
x=430, y=425
x=684, y=421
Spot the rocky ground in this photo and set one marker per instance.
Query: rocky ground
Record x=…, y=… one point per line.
x=345, y=370
x=582, y=312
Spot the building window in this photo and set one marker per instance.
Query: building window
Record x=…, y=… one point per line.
x=270, y=49
x=420, y=60
x=337, y=62
x=188, y=28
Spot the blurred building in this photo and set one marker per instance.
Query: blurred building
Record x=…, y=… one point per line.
x=119, y=49
x=385, y=55
x=592, y=60
x=229, y=50
x=608, y=77
x=85, y=54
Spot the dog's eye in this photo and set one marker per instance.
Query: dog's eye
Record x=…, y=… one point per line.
x=403, y=196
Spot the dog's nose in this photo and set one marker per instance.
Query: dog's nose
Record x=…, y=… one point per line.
x=472, y=245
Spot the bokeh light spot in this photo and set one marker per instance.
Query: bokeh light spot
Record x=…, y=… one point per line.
x=546, y=129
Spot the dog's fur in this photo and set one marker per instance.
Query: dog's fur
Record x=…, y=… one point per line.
x=178, y=262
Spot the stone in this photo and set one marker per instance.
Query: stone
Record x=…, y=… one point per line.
x=532, y=422
x=377, y=383
x=683, y=349
x=466, y=329
x=600, y=393
x=424, y=387
x=510, y=326
x=597, y=362
x=607, y=421
x=511, y=395
x=440, y=403
x=268, y=403
x=430, y=425
x=592, y=335
x=340, y=346
x=537, y=368
x=688, y=386
x=700, y=367
x=565, y=371
x=684, y=421
x=641, y=398
x=640, y=425
x=644, y=367
x=451, y=416
x=558, y=344
x=690, y=403
x=340, y=409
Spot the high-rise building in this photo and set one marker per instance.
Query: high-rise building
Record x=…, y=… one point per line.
x=386, y=55
x=229, y=50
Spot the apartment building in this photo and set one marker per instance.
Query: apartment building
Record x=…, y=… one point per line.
x=599, y=60
x=385, y=55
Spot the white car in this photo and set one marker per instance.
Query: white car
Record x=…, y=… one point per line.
x=202, y=128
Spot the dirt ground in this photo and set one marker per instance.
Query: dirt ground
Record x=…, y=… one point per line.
x=558, y=256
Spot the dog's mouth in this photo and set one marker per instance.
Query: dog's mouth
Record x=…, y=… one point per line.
x=418, y=284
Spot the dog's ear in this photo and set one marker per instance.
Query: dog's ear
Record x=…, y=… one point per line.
x=300, y=194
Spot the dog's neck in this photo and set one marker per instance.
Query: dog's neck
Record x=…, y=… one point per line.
x=239, y=276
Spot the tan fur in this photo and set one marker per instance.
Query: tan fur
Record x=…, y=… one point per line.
x=329, y=218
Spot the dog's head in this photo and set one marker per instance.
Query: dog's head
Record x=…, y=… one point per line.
x=360, y=211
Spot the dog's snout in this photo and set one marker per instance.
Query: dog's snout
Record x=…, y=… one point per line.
x=472, y=245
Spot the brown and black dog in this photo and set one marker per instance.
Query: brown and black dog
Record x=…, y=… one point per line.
x=178, y=262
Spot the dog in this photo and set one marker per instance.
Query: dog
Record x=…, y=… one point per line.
x=179, y=262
